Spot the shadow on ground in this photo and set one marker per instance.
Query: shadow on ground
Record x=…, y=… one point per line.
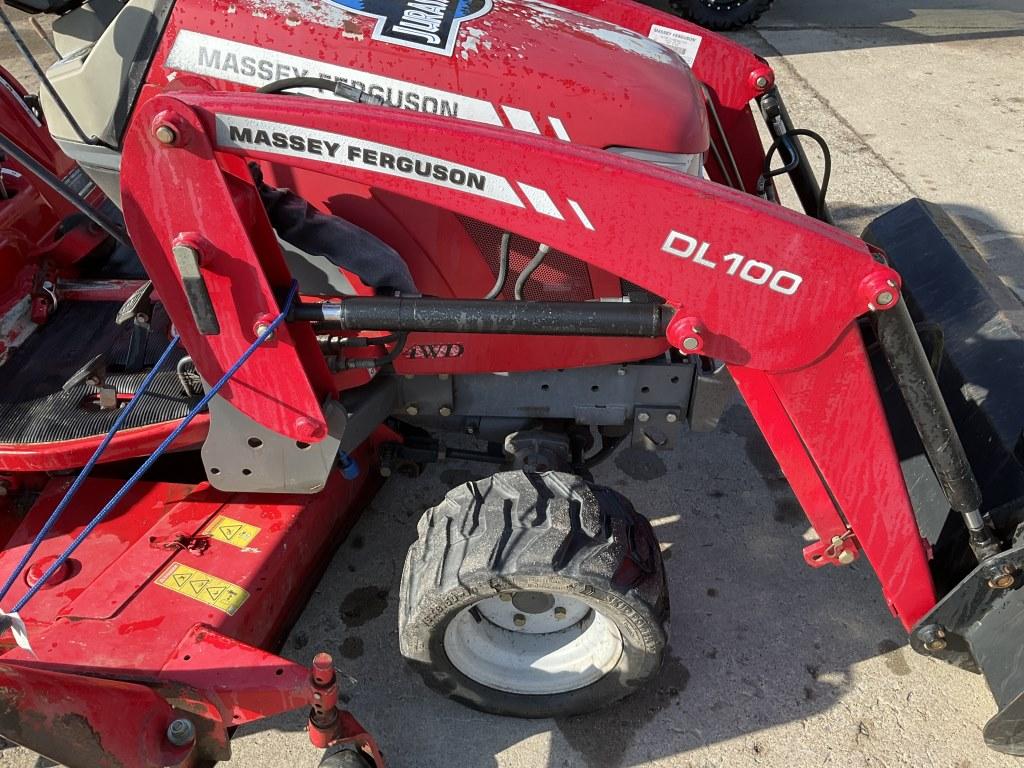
x=757, y=637
x=882, y=23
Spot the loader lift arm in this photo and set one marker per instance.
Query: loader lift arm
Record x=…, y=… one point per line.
x=774, y=294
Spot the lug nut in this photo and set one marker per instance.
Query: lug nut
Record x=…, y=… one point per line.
x=559, y=612
x=412, y=410
x=181, y=732
x=519, y=620
x=643, y=417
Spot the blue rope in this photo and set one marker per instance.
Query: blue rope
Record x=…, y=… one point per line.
x=122, y=416
x=131, y=481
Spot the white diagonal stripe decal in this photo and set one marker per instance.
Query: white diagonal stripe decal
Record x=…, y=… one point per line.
x=580, y=214
x=520, y=119
x=541, y=201
x=559, y=128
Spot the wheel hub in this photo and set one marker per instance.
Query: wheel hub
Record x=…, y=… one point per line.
x=533, y=642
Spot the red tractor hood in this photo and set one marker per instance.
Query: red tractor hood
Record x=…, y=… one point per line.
x=521, y=64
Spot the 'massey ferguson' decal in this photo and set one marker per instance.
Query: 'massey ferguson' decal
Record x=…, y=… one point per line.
x=250, y=65
x=735, y=264
x=427, y=25
x=297, y=141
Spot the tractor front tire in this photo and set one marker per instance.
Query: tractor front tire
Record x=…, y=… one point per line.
x=721, y=15
x=346, y=757
x=534, y=595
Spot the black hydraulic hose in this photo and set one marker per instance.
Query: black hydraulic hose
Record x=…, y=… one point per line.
x=331, y=343
x=337, y=87
x=540, y=318
x=499, y=284
x=608, y=446
x=806, y=185
x=530, y=269
x=794, y=161
x=36, y=168
x=378, y=362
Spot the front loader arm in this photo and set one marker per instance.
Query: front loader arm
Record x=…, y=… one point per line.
x=774, y=294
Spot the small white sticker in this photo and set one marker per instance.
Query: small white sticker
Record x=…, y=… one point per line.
x=683, y=43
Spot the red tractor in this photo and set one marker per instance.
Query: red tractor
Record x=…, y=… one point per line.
x=351, y=227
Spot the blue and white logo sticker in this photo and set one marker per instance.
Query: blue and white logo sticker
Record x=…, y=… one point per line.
x=427, y=25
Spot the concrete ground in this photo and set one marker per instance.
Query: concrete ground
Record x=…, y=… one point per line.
x=772, y=663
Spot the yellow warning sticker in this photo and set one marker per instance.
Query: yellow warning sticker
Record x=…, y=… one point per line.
x=191, y=582
x=231, y=531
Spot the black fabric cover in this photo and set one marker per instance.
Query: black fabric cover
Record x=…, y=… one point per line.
x=341, y=242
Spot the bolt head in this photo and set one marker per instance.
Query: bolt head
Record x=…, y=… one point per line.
x=412, y=410
x=1002, y=578
x=933, y=637
x=691, y=344
x=309, y=429
x=880, y=289
x=761, y=81
x=165, y=134
x=1004, y=581
x=181, y=732
x=845, y=557
x=519, y=620
x=671, y=418
x=643, y=417
x=445, y=410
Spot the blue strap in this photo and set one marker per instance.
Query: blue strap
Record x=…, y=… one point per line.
x=131, y=481
x=122, y=416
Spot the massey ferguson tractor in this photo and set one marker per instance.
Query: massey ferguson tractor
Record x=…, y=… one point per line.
x=258, y=254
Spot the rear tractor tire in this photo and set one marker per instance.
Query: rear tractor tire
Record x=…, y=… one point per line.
x=534, y=595
x=721, y=15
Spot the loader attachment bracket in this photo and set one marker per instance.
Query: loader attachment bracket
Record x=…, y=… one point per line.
x=977, y=627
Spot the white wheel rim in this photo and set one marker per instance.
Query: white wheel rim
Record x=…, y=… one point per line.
x=533, y=643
